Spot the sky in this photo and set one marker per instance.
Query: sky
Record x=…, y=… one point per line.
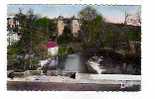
x=112, y=13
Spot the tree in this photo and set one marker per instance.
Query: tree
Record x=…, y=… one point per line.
x=66, y=37
x=34, y=34
x=27, y=42
x=47, y=26
x=45, y=29
x=113, y=36
x=28, y=38
x=92, y=25
x=139, y=17
x=126, y=16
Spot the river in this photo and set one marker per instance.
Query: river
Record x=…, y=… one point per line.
x=74, y=63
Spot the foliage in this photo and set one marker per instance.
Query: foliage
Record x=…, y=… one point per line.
x=91, y=27
x=66, y=37
x=46, y=25
x=34, y=35
x=134, y=36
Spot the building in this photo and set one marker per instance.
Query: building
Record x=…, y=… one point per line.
x=12, y=38
x=75, y=26
x=12, y=22
x=52, y=48
x=73, y=23
x=12, y=30
x=60, y=25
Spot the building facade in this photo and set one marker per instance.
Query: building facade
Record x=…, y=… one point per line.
x=75, y=26
x=60, y=25
x=73, y=23
x=12, y=30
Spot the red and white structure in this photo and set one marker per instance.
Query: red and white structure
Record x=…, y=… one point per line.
x=52, y=48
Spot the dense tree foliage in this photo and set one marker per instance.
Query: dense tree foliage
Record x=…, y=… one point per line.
x=34, y=34
x=92, y=25
x=66, y=37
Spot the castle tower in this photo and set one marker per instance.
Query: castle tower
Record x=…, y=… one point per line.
x=60, y=25
x=75, y=26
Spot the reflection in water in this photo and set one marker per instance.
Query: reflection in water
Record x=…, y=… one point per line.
x=74, y=62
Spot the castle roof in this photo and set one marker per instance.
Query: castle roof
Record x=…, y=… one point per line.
x=51, y=44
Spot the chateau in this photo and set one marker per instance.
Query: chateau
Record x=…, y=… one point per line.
x=73, y=23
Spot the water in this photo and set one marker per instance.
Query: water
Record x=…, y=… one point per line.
x=77, y=63
x=74, y=63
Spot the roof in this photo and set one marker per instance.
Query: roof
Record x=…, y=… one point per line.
x=51, y=44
